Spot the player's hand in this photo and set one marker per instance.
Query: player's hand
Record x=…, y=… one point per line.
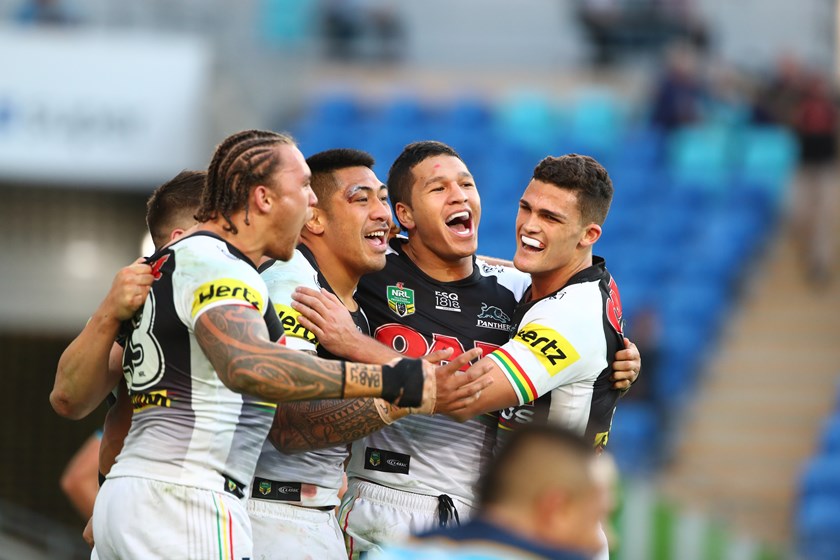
x=129, y=290
x=87, y=534
x=626, y=367
x=323, y=314
x=438, y=356
x=458, y=389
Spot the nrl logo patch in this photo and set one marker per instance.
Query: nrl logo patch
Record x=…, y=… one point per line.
x=400, y=299
x=264, y=488
x=375, y=459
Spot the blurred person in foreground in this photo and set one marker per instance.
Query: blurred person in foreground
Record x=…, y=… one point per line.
x=540, y=498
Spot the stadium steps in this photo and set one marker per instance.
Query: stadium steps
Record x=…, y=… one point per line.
x=757, y=415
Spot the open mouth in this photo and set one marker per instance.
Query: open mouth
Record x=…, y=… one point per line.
x=378, y=238
x=531, y=244
x=460, y=223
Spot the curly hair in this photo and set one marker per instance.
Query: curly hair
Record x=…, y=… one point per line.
x=585, y=177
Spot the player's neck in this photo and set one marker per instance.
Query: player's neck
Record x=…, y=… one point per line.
x=442, y=270
x=242, y=240
x=342, y=281
x=546, y=283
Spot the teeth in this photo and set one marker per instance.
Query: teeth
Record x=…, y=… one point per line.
x=379, y=233
x=531, y=242
x=457, y=216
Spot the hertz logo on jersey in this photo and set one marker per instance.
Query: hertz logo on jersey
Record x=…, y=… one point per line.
x=289, y=318
x=225, y=289
x=553, y=351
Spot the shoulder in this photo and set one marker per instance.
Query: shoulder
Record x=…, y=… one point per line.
x=507, y=276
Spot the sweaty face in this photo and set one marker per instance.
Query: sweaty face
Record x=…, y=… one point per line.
x=548, y=228
x=357, y=219
x=293, y=201
x=445, y=207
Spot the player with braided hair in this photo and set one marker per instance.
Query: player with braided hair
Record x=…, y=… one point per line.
x=205, y=373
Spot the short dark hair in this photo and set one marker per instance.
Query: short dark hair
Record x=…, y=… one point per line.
x=324, y=164
x=242, y=161
x=173, y=205
x=494, y=485
x=585, y=177
x=400, y=178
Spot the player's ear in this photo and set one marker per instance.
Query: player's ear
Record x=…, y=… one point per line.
x=591, y=234
x=315, y=225
x=176, y=233
x=261, y=198
x=404, y=215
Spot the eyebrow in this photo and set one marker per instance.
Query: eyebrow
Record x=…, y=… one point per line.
x=441, y=178
x=355, y=189
x=544, y=211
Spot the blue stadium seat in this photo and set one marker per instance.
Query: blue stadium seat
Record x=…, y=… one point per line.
x=596, y=123
x=830, y=445
x=821, y=478
x=699, y=156
x=769, y=157
x=529, y=119
x=818, y=528
x=634, y=436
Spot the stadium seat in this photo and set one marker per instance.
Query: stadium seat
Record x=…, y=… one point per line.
x=529, y=119
x=768, y=157
x=818, y=528
x=633, y=436
x=596, y=123
x=699, y=156
x=830, y=445
x=821, y=478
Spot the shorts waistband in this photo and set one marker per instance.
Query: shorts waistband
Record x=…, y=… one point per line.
x=400, y=498
x=289, y=511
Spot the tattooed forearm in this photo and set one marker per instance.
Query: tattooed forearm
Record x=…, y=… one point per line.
x=235, y=340
x=318, y=424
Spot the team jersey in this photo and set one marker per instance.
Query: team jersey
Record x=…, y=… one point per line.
x=559, y=355
x=322, y=468
x=188, y=427
x=415, y=314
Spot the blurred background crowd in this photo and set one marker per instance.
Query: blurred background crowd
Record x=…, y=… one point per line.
x=716, y=120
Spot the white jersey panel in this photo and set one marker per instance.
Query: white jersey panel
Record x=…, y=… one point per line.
x=559, y=342
x=311, y=478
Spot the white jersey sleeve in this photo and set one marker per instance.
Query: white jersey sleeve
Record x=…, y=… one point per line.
x=282, y=278
x=560, y=341
x=218, y=278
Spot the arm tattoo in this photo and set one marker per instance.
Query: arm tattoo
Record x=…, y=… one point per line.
x=234, y=338
x=317, y=424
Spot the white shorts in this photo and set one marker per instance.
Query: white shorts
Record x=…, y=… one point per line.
x=287, y=532
x=372, y=515
x=140, y=518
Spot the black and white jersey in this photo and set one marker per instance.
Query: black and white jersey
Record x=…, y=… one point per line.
x=323, y=469
x=188, y=427
x=559, y=357
x=415, y=314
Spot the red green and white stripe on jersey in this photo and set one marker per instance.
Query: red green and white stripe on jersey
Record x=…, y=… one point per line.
x=521, y=383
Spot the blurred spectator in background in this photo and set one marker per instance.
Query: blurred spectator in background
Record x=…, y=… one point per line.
x=680, y=93
x=45, y=12
x=543, y=497
x=80, y=479
x=356, y=30
x=815, y=120
x=776, y=99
